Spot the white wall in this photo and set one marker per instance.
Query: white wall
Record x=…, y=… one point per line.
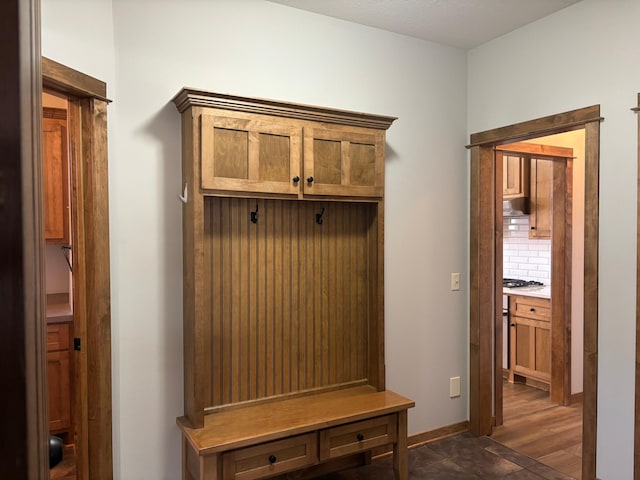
x=580, y=56
x=261, y=49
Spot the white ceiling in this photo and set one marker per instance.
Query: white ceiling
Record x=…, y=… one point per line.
x=459, y=23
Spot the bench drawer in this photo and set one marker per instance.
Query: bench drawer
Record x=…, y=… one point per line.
x=271, y=458
x=358, y=437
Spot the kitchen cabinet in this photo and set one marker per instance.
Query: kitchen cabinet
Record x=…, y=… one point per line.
x=541, y=200
x=55, y=170
x=283, y=266
x=530, y=338
x=515, y=175
x=59, y=377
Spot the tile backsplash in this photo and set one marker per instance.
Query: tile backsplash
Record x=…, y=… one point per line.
x=523, y=258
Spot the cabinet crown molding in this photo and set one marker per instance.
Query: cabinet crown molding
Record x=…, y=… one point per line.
x=190, y=97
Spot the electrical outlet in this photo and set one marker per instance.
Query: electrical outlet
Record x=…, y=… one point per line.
x=455, y=281
x=454, y=387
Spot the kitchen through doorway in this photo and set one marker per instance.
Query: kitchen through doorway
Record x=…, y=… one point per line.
x=539, y=337
x=486, y=284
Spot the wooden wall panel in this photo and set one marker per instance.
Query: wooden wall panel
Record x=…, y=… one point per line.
x=291, y=298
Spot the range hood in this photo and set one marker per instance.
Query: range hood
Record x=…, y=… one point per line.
x=515, y=207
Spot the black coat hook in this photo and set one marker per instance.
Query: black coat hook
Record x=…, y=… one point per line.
x=254, y=215
x=319, y=216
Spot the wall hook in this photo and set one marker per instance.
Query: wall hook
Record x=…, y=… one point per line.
x=254, y=215
x=319, y=216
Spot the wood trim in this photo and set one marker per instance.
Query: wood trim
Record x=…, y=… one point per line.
x=591, y=231
x=636, y=433
x=88, y=120
x=418, y=439
x=498, y=412
x=191, y=97
x=588, y=118
x=24, y=452
x=561, y=122
x=536, y=149
x=66, y=80
x=482, y=295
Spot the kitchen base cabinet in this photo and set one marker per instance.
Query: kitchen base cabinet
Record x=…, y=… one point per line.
x=59, y=378
x=530, y=339
x=260, y=441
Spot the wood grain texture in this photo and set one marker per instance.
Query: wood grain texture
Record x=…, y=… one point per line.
x=291, y=298
x=498, y=341
x=190, y=97
x=55, y=158
x=67, y=80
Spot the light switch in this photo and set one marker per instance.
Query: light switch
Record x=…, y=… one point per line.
x=455, y=281
x=454, y=387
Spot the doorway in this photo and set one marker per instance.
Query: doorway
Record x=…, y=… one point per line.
x=486, y=286
x=90, y=357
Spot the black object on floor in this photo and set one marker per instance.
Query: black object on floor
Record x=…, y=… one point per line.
x=55, y=451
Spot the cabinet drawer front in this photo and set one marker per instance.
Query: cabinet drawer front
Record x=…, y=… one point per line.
x=357, y=437
x=534, y=310
x=271, y=458
x=57, y=337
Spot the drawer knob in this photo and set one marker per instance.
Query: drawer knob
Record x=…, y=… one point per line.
x=272, y=459
x=532, y=309
x=360, y=437
x=310, y=180
x=296, y=179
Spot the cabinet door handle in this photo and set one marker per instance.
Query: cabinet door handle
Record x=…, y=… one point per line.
x=532, y=310
x=296, y=179
x=310, y=180
x=360, y=437
x=513, y=325
x=533, y=228
x=272, y=459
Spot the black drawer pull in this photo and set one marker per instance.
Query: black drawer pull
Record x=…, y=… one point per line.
x=360, y=437
x=310, y=180
x=532, y=310
x=296, y=179
x=272, y=459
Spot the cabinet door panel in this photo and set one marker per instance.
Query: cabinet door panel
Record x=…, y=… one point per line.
x=343, y=162
x=247, y=155
x=58, y=389
x=56, y=180
x=541, y=198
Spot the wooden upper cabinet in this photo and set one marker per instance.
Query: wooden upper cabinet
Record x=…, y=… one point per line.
x=250, y=155
x=343, y=162
x=252, y=147
x=55, y=159
x=541, y=216
x=515, y=175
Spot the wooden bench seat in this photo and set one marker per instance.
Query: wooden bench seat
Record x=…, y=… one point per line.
x=263, y=440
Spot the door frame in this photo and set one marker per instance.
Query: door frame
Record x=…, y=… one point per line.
x=484, y=282
x=636, y=445
x=87, y=125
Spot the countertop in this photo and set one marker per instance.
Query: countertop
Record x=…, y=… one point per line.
x=543, y=291
x=59, y=308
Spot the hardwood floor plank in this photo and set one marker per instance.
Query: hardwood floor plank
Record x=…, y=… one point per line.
x=545, y=431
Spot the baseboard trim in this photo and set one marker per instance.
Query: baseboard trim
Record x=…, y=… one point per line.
x=423, y=438
x=576, y=398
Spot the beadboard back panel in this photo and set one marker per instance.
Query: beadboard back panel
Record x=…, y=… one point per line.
x=290, y=296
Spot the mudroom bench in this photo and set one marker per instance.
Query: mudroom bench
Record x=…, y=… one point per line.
x=304, y=433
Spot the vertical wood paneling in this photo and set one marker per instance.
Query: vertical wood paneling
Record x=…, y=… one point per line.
x=290, y=297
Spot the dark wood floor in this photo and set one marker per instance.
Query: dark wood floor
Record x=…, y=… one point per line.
x=540, y=429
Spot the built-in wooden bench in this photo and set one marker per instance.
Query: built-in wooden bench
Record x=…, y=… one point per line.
x=263, y=440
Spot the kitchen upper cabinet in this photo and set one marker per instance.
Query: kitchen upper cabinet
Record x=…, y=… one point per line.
x=540, y=219
x=515, y=175
x=530, y=324
x=55, y=158
x=343, y=162
x=250, y=155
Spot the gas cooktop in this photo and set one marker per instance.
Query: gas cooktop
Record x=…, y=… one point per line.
x=515, y=283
